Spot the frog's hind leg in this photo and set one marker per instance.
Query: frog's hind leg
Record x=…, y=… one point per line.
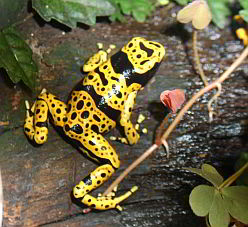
x=36, y=122
x=98, y=149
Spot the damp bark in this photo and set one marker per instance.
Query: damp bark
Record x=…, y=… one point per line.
x=37, y=181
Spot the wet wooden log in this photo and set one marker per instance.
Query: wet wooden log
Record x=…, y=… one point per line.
x=37, y=180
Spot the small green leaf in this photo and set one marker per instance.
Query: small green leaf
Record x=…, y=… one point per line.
x=140, y=9
x=218, y=215
x=209, y=173
x=16, y=57
x=220, y=12
x=236, y=202
x=69, y=12
x=244, y=14
x=201, y=199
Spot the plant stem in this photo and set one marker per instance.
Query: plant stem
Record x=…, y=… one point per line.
x=232, y=178
x=197, y=60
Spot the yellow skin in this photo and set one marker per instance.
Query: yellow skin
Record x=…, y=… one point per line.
x=103, y=98
x=242, y=30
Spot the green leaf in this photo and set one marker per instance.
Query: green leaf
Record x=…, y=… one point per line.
x=201, y=199
x=209, y=173
x=236, y=202
x=69, y=12
x=244, y=14
x=219, y=11
x=244, y=3
x=16, y=57
x=218, y=215
x=140, y=9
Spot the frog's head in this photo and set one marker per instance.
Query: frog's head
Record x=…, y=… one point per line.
x=138, y=60
x=143, y=54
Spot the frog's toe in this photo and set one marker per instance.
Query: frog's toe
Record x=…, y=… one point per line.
x=43, y=90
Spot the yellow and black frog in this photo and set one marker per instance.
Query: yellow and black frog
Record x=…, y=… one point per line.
x=100, y=100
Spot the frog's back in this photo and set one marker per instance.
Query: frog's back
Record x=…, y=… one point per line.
x=99, y=98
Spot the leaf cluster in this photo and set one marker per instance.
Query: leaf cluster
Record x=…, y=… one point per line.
x=70, y=12
x=139, y=9
x=218, y=202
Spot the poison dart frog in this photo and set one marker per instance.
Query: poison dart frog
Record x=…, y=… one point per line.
x=102, y=99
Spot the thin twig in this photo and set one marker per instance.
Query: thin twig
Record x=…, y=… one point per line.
x=197, y=60
x=179, y=116
x=232, y=178
x=214, y=98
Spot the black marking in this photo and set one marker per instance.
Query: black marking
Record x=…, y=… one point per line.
x=115, y=78
x=80, y=104
x=69, y=108
x=85, y=114
x=77, y=129
x=41, y=124
x=27, y=129
x=96, y=118
x=119, y=95
x=67, y=128
x=87, y=180
x=91, y=143
x=37, y=111
x=58, y=111
x=147, y=50
x=102, y=77
x=155, y=44
x=31, y=114
x=143, y=62
x=95, y=128
x=73, y=116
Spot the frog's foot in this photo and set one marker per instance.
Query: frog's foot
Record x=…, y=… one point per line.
x=36, y=122
x=137, y=127
x=99, y=58
x=28, y=125
x=109, y=201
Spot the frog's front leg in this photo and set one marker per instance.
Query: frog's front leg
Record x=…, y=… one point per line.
x=98, y=149
x=36, y=122
x=130, y=132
